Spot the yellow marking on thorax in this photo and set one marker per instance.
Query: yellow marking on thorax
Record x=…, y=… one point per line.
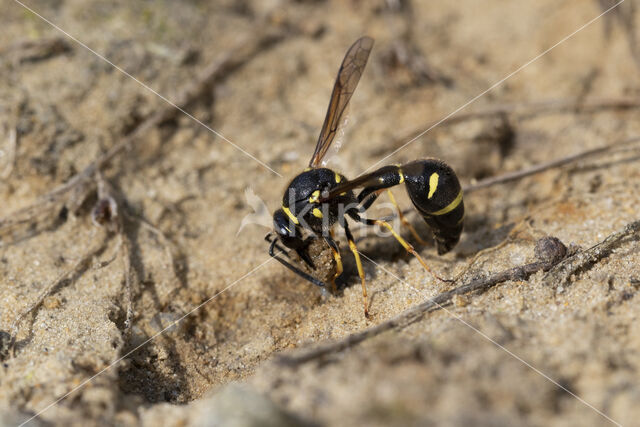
x=317, y=213
x=315, y=196
x=338, y=178
x=401, y=175
x=307, y=169
x=433, y=184
x=451, y=206
x=290, y=215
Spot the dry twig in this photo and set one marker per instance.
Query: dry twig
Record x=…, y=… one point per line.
x=36, y=50
x=542, y=167
x=105, y=215
x=582, y=260
x=528, y=110
x=517, y=229
x=105, y=212
x=74, y=192
x=551, y=258
x=549, y=251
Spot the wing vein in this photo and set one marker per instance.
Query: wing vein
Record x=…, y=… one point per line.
x=346, y=82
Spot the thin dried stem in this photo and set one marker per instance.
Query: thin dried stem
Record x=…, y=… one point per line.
x=509, y=239
x=74, y=191
x=582, y=260
x=522, y=272
x=529, y=110
x=542, y=167
x=36, y=50
x=559, y=270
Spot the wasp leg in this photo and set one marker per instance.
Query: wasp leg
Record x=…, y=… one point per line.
x=367, y=200
x=301, y=253
x=404, y=220
x=336, y=255
x=403, y=242
x=269, y=238
x=294, y=269
x=356, y=255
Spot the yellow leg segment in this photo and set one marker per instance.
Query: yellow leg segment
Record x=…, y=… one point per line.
x=404, y=220
x=408, y=247
x=356, y=255
x=338, y=258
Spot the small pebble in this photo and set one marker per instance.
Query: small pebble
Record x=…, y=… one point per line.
x=550, y=250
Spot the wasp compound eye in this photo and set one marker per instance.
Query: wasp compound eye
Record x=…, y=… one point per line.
x=283, y=225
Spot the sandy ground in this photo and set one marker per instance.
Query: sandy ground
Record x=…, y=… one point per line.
x=493, y=358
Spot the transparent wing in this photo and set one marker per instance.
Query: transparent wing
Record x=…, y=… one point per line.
x=338, y=139
x=348, y=77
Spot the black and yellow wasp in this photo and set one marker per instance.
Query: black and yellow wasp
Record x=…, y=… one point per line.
x=319, y=198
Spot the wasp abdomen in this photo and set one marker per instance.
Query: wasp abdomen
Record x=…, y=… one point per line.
x=435, y=191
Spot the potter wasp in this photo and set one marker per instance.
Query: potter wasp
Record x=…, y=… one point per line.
x=318, y=199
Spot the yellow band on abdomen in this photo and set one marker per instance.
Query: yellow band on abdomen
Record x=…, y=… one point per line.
x=451, y=206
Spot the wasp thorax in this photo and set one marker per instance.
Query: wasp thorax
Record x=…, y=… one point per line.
x=306, y=201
